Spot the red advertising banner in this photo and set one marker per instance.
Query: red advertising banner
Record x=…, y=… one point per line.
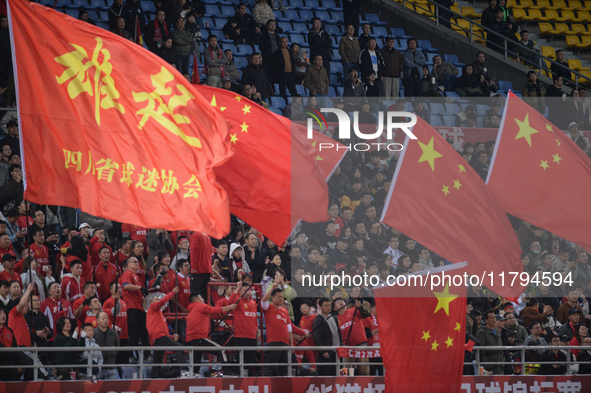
x=485, y=384
x=358, y=353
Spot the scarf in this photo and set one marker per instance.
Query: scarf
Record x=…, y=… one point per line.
x=206, y=67
x=157, y=33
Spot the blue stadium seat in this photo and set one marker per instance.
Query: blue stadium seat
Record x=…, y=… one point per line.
x=208, y=23
x=398, y=46
x=340, y=91
x=244, y=50
x=334, y=80
x=241, y=62
x=278, y=14
x=212, y=10
x=449, y=121
x=379, y=42
x=336, y=68
x=315, y=6
x=219, y=23
x=336, y=18
x=480, y=121
x=437, y=108
x=298, y=5
x=228, y=11
x=380, y=32
x=103, y=25
x=290, y=16
x=374, y=19
x=436, y=121
x=453, y=59
x=277, y=102
x=148, y=7
x=77, y=4
x=72, y=13
x=286, y=26
x=302, y=90
x=326, y=102
x=218, y=33
x=452, y=109
x=324, y=17
x=331, y=5
x=333, y=30
x=425, y=46
x=481, y=109
x=276, y=111
x=204, y=35
x=505, y=86
x=63, y=4
x=398, y=32
x=306, y=16
x=47, y=3
x=335, y=55
x=332, y=92
x=232, y=47
x=300, y=27
x=298, y=39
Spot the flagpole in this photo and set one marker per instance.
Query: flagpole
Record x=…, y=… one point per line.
x=30, y=273
x=394, y=177
x=499, y=135
x=176, y=306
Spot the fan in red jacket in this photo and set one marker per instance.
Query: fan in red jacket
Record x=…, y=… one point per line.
x=201, y=267
x=54, y=307
x=246, y=328
x=72, y=283
x=279, y=330
x=306, y=323
x=135, y=232
x=105, y=273
x=352, y=330
x=158, y=331
x=199, y=326
x=8, y=260
x=96, y=244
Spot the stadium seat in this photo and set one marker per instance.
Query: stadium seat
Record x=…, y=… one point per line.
x=398, y=32
x=544, y=4
x=290, y=16
x=453, y=59
x=505, y=86
x=212, y=10
x=244, y=50
x=374, y=19
x=334, y=80
x=340, y=91
x=524, y=4
x=336, y=68
x=560, y=29
x=298, y=39
x=336, y=17
x=298, y=5
x=241, y=62
x=306, y=16
x=430, y=57
x=470, y=12
x=549, y=51
x=572, y=41
x=208, y=23
x=331, y=5
x=63, y=4
x=559, y=5
x=436, y=120
x=332, y=92
x=335, y=55
x=324, y=16
x=545, y=28
x=551, y=15
x=278, y=102
x=103, y=16
x=333, y=30
x=425, y=46
x=72, y=13
x=315, y=6
x=519, y=14
x=301, y=90
x=578, y=29
x=301, y=28
x=575, y=5
x=400, y=47
x=452, y=109
x=448, y=121
x=78, y=4
x=228, y=11
x=219, y=24
x=575, y=64
x=276, y=111
x=480, y=121
x=567, y=16
x=583, y=16
x=534, y=14
x=286, y=26
x=437, y=108
x=98, y=5
x=380, y=32
x=103, y=25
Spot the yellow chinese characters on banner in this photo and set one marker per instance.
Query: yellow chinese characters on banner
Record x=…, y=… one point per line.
x=152, y=180
x=101, y=85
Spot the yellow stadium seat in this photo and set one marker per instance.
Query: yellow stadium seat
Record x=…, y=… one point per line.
x=544, y=4
x=470, y=12
x=534, y=14
x=575, y=64
x=587, y=5
x=511, y=3
x=409, y=6
x=567, y=16
x=455, y=9
x=519, y=14
x=425, y=9
x=559, y=4
x=525, y=4
x=545, y=28
x=577, y=29
x=583, y=16
x=586, y=74
x=549, y=51
x=463, y=24
x=572, y=41
x=551, y=15
x=560, y=29
x=575, y=5
x=479, y=37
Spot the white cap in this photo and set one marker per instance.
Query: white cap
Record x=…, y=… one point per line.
x=573, y=123
x=84, y=225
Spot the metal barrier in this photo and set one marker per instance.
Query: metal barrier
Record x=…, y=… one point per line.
x=338, y=364
x=424, y=6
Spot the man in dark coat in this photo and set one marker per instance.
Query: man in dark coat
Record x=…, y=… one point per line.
x=320, y=43
x=283, y=67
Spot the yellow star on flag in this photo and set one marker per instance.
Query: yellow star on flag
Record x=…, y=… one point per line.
x=445, y=189
x=246, y=109
x=457, y=184
x=429, y=154
x=458, y=326
x=318, y=158
x=557, y=142
x=544, y=164
x=426, y=336
x=444, y=299
x=238, y=98
x=244, y=127
x=549, y=127
x=233, y=138
x=462, y=169
x=525, y=130
x=434, y=346
x=449, y=341
x=556, y=158
x=214, y=103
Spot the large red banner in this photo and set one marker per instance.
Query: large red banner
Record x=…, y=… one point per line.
x=485, y=384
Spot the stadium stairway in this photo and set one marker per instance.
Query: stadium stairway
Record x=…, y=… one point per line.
x=449, y=41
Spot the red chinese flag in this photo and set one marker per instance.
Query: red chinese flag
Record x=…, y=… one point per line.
x=112, y=129
x=195, y=78
x=267, y=187
x=437, y=199
x=426, y=355
x=533, y=169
